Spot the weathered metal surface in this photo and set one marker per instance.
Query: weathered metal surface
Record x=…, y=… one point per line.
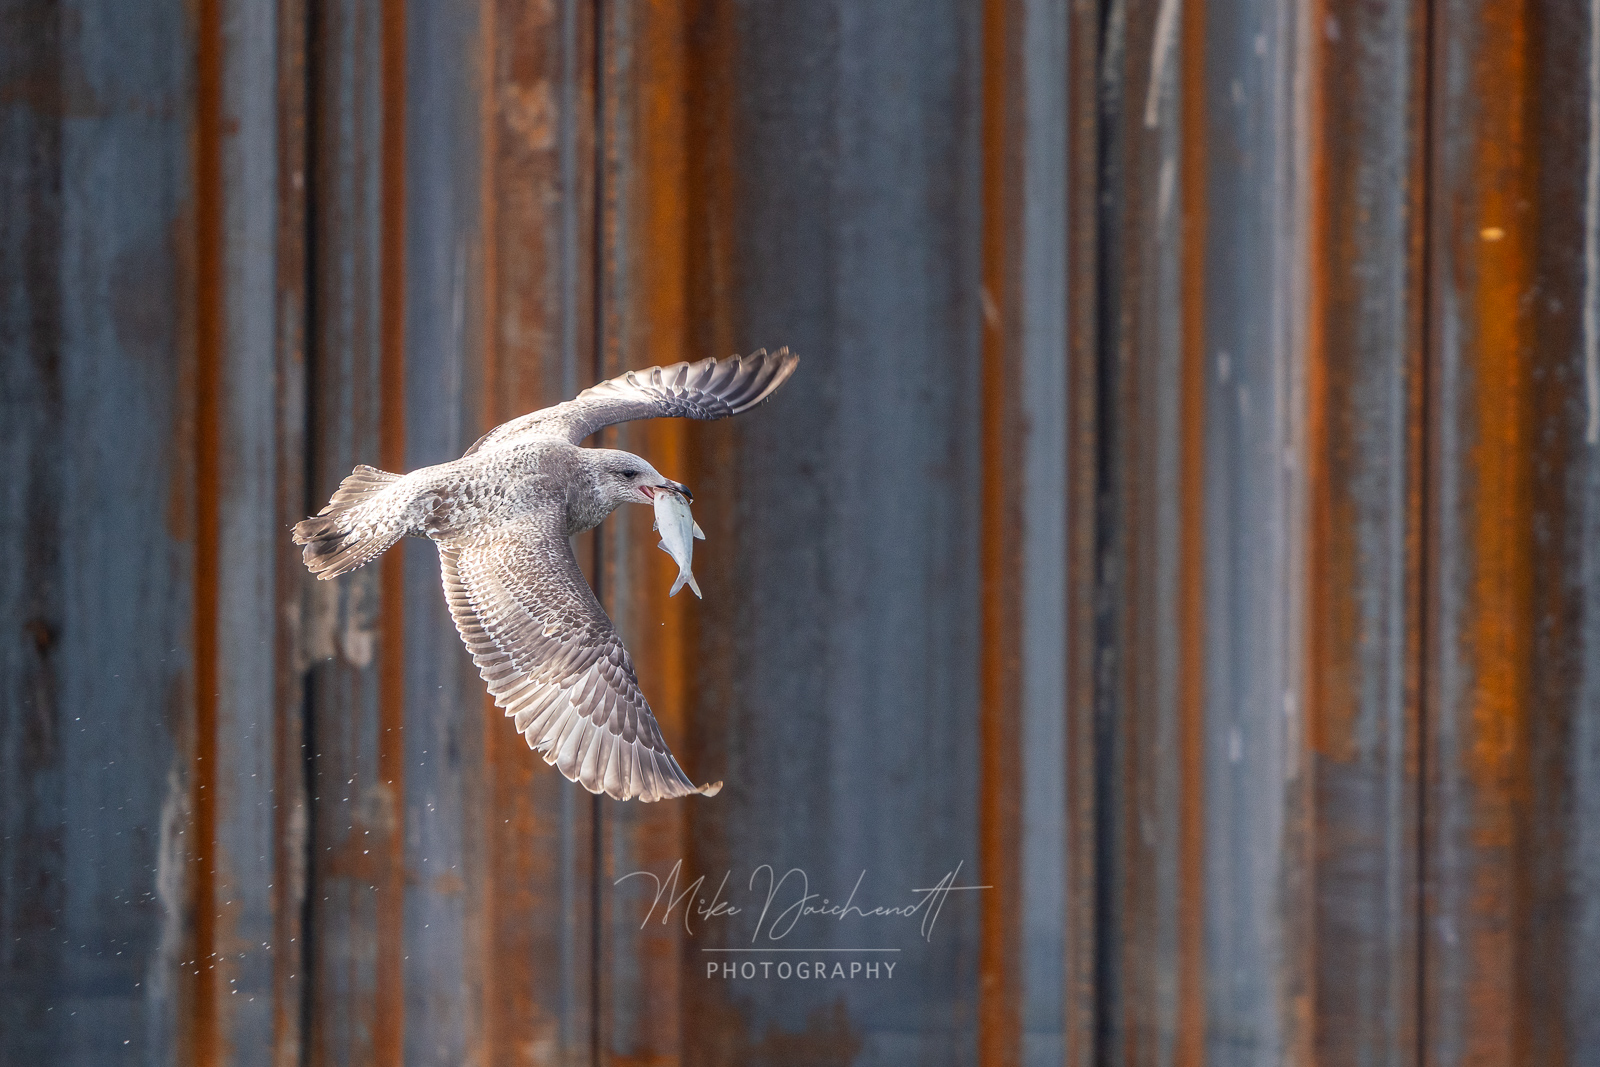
x=1041, y=406
x=1145, y=697
x=1001, y=507
x=1363, y=459
x=354, y=626
x=446, y=803
x=1257, y=900
x=1182, y=520
x=1508, y=865
x=97, y=437
x=834, y=660
x=291, y=806
x=538, y=348
x=247, y=455
x=1081, y=482
x=645, y=964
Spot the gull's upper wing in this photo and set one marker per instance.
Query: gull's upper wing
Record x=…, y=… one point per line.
x=554, y=662
x=707, y=389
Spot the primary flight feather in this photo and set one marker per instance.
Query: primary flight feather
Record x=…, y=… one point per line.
x=502, y=516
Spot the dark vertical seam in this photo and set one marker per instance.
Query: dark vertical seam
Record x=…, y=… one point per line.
x=597, y=299
x=210, y=342
x=389, y=1000
x=313, y=433
x=1108, y=185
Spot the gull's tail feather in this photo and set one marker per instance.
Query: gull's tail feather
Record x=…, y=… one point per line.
x=350, y=531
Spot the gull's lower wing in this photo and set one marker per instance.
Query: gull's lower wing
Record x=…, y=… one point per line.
x=707, y=389
x=554, y=662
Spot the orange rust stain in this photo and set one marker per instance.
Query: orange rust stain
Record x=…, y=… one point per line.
x=1495, y=639
x=711, y=71
x=999, y=802
x=522, y=202
x=389, y=987
x=1189, y=1048
x=654, y=328
x=660, y=313
x=1300, y=965
x=206, y=1036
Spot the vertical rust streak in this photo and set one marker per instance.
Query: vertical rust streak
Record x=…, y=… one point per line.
x=1498, y=593
x=1485, y=228
x=651, y=311
x=525, y=287
x=659, y=310
x=209, y=341
x=707, y=258
x=1189, y=1050
x=999, y=807
x=389, y=1002
x=488, y=208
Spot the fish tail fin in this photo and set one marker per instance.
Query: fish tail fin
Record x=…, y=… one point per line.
x=684, y=575
x=348, y=533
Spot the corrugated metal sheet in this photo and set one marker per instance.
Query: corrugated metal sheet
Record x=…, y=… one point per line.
x=1183, y=522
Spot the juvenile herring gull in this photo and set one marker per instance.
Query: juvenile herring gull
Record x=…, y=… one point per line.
x=502, y=515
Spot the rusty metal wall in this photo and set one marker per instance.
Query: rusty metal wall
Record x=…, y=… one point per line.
x=1183, y=523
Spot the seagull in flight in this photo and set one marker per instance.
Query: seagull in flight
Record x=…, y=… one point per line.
x=503, y=516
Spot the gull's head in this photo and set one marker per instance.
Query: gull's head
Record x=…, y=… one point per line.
x=627, y=479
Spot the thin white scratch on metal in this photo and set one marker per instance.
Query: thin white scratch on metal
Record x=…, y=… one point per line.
x=1160, y=51
x=1167, y=187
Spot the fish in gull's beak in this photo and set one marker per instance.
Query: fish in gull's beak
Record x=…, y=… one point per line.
x=649, y=491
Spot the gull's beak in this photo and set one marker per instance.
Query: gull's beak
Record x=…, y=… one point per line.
x=681, y=489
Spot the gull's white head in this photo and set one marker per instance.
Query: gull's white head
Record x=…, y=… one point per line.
x=627, y=479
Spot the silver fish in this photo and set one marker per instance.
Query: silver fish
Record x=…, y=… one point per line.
x=678, y=530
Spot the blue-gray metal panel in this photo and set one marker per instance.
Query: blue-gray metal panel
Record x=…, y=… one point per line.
x=1043, y=404
x=242, y=853
x=355, y=812
x=1255, y=740
x=1366, y=534
x=1511, y=589
x=445, y=794
x=1141, y=698
x=98, y=706
x=836, y=662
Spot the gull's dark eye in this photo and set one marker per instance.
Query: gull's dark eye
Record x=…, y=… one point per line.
x=630, y=474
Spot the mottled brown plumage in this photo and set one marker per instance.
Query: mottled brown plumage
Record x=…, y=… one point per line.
x=502, y=516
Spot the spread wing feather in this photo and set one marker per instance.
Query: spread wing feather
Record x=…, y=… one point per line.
x=554, y=662
x=707, y=389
